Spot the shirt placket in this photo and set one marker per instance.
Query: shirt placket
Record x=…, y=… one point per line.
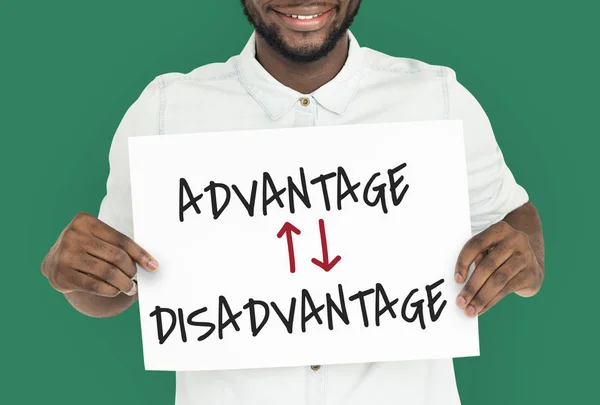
x=315, y=385
x=304, y=112
x=304, y=116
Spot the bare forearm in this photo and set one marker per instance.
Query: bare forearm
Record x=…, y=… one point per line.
x=526, y=219
x=97, y=306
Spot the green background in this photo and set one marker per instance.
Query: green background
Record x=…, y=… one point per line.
x=70, y=69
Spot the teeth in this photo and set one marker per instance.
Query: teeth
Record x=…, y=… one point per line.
x=304, y=17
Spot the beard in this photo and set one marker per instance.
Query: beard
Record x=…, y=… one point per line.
x=301, y=54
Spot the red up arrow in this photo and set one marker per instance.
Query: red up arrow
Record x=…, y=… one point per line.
x=325, y=264
x=287, y=230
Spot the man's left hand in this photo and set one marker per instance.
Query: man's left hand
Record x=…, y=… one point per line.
x=504, y=263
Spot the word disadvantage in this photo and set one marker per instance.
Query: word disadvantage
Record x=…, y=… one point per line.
x=368, y=307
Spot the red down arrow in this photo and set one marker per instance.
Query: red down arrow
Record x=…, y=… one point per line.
x=325, y=264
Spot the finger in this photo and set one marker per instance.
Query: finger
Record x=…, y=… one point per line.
x=481, y=255
x=102, y=231
x=478, y=259
x=73, y=280
x=493, y=302
x=492, y=261
x=495, y=283
x=477, y=245
x=459, y=278
x=511, y=286
x=106, y=272
x=109, y=253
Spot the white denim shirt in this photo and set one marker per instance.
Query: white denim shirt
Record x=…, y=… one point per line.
x=371, y=88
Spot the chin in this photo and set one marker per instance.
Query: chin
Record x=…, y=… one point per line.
x=305, y=43
x=301, y=43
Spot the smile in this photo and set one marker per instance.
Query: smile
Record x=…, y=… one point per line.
x=305, y=20
x=304, y=17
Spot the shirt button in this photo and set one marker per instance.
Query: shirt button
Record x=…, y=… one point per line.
x=315, y=368
x=304, y=102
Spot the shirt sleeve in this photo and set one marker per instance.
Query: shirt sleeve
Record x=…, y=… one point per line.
x=141, y=119
x=493, y=190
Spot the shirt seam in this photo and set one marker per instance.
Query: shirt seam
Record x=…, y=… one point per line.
x=445, y=93
x=186, y=77
x=161, y=105
x=397, y=70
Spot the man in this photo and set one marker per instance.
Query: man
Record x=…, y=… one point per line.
x=302, y=67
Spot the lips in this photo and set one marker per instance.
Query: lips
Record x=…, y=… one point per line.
x=303, y=17
x=306, y=18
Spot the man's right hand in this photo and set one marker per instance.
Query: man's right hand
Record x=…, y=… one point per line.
x=91, y=257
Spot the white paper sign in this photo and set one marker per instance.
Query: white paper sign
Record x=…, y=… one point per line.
x=292, y=247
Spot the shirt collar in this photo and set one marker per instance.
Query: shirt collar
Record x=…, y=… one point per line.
x=277, y=99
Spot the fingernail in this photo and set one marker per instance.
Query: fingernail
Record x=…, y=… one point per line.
x=152, y=265
x=458, y=278
x=470, y=311
x=461, y=302
x=133, y=290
